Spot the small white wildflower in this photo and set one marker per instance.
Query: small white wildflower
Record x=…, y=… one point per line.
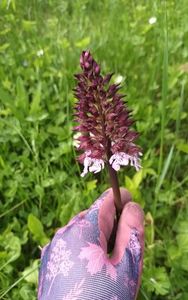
x=118, y=79
x=40, y=52
x=123, y=159
x=92, y=164
x=152, y=20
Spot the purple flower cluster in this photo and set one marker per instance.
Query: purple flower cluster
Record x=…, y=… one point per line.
x=104, y=121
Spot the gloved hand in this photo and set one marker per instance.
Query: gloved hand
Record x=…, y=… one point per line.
x=76, y=266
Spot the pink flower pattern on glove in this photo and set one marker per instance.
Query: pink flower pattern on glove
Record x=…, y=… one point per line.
x=75, y=292
x=97, y=260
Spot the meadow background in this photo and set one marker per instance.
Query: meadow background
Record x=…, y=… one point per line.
x=40, y=183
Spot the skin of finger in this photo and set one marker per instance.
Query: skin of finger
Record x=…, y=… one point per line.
x=107, y=213
x=132, y=217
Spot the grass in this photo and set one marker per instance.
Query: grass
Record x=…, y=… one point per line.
x=40, y=183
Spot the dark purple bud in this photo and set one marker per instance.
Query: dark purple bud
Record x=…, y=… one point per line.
x=81, y=60
x=86, y=65
x=107, y=78
x=111, y=116
x=97, y=70
x=86, y=54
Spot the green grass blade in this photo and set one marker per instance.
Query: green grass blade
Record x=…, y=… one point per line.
x=16, y=282
x=164, y=90
x=165, y=170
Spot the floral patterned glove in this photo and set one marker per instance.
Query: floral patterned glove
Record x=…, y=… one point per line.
x=76, y=266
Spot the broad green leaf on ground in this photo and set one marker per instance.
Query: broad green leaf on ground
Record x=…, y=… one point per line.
x=10, y=245
x=36, y=228
x=31, y=273
x=157, y=280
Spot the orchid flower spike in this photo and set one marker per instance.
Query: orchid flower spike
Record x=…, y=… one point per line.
x=103, y=121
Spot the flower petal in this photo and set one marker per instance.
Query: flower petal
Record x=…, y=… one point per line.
x=92, y=164
x=123, y=159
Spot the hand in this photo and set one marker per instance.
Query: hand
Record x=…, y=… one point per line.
x=76, y=266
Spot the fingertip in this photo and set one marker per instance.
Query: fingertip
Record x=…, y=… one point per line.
x=133, y=216
x=131, y=219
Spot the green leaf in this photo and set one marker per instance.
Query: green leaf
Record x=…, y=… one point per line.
x=173, y=252
x=91, y=185
x=183, y=147
x=11, y=245
x=27, y=292
x=137, y=179
x=149, y=228
x=48, y=182
x=182, y=240
x=9, y=102
x=184, y=262
x=133, y=189
x=32, y=272
x=21, y=96
x=4, y=47
x=156, y=279
x=35, y=104
x=4, y=31
x=66, y=213
x=182, y=227
x=28, y=25
x=36, y=228
x=129, y=183
x=83, y=43
x=6, y=97
x=184, y=296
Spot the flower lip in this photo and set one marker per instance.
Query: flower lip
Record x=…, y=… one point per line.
x=92, y=164
x=123, y=159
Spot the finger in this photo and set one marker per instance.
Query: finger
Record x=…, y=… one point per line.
x=129, y=245
x=101, y=215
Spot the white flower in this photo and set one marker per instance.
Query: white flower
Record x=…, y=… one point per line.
x=116, y=160
x=40, y=52
x=119, y=79
x=152, y=20
x=92, y=164
x=123, y=159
